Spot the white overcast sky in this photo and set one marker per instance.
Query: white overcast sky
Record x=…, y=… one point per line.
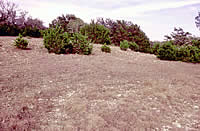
x=155, y=17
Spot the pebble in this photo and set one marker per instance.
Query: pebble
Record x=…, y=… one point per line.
x=119, y=95
x=195, y=107
x=177, y=124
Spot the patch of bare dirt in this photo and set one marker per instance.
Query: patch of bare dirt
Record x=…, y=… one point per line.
x=121, y=91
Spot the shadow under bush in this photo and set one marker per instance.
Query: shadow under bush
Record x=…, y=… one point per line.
x=133, y=46
x=105, y=48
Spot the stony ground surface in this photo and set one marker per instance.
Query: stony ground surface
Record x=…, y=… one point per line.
x=121, y=91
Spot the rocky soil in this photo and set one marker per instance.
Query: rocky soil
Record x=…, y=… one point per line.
x=120, y=91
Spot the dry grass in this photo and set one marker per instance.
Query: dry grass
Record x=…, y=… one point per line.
x=120, y=91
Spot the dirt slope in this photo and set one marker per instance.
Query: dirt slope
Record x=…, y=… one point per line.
x=121, y=91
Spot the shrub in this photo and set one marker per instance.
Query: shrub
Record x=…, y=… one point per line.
x=125, y=30
x=188, y=54
x=124, y=45
x=133, y=46
x=155, y=48
x=14, y=21
x=194, y=54
x=80, y=44
x=55, y=40
x=20, y=42
x=182, y=54
x=60, y=42
x=179, y=37
x=68, y=22
x=105, y=48
x=167, y=51
x=195, y=43
x=96, y=33
x=32, y=32
x=9, y=30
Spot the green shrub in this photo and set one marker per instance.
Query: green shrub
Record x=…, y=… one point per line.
x=105, y=48
x=96, y=33
x=14, y=30
x=20, y=42
x=32, y=32
x=195, y=43
x=133, y=46
x=182, y=54
x=148, y=50
x=55, y=40
x=60, y=42
x=9, y=30
x=125, y=30
x=80, y=44
x=155, y=48
x=194, y=54
x=188, y=54
x=124, y=45
x=167, y=51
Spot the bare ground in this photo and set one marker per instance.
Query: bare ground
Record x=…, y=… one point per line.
x=121, y=91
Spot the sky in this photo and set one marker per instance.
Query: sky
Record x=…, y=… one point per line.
x=155, y=17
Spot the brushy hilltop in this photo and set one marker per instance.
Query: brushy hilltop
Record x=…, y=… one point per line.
x=69, y=34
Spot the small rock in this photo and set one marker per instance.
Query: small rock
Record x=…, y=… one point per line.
x=177, y=124
x=196, y=107
x=119, y=95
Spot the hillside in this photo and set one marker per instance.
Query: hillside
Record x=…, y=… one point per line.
x=105, y=92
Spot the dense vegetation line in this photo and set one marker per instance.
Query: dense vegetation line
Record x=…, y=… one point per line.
x=69, y=34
